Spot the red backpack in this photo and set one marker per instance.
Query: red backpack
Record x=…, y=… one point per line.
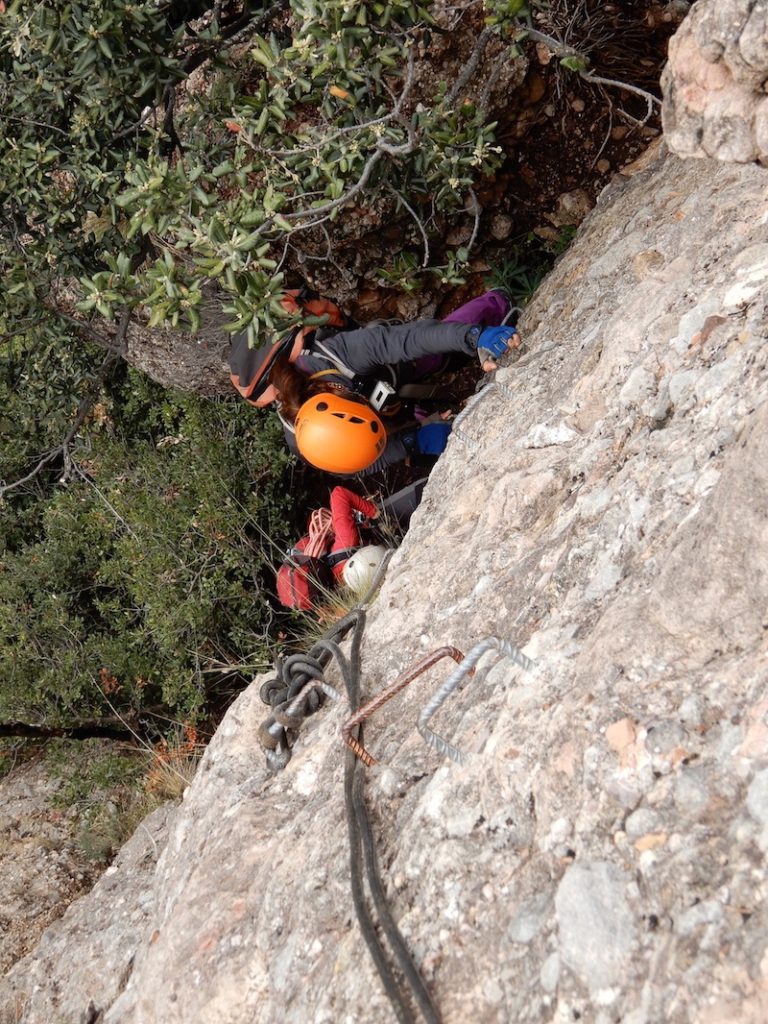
x=250, y=366
x=301, y=580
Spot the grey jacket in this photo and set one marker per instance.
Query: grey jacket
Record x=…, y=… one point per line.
x=368, y=350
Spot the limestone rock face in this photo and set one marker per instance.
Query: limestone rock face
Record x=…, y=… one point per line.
x=715, y=101
x=601, y=855
x=84, y=959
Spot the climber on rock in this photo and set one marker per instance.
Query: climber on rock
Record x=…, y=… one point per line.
x=332, y=386
x=331, y=553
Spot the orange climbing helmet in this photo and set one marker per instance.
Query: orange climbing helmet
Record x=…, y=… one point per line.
x=338, y=434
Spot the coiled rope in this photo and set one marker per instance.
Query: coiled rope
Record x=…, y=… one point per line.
x=320, y=530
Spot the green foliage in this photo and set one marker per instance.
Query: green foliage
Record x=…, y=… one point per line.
x=276, y=139
x=140, y=580
x=90, y=768
x=519, y=279
x=37, y=385
x=75, y=76
x=131, y=571
x=452, y=273
x=403, y=273
x=103, y=784
x=525, y=264
x=565, y=236
x=500, y=12
x=575, y=62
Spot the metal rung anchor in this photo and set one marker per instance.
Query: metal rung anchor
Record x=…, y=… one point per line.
x=386, y=694
x=437, y=742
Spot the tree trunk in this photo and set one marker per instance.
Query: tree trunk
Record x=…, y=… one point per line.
x=177, y=359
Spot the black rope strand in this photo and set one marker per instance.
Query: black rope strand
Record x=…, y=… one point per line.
x=387, y=922
x=292, y=675
x=350, y=671
x=363, y=854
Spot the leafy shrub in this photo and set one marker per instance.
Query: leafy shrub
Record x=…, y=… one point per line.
x=140, y=582
x=320, y=113
x=525, y=264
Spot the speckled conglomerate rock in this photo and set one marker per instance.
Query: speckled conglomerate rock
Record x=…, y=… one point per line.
x=715, y=102
x=602, y=855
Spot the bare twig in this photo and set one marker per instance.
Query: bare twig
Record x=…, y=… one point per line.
x=108, y=344
x=146, y=114
x=81, y=414
x=384, y=119
x=151, y=839
x=381, y=149
x=419, y=225
x=250, y=19
x=493, y=77
x=37, y=124
x=462, y=10
x=22, y=329
x=560, y=49
x=649, y=98
x=607, y=135
x=476, y=210
x=84, y=476
x=81, y=731
x=470, y=67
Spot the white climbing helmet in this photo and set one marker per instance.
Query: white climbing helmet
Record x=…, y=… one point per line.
x=361, y=567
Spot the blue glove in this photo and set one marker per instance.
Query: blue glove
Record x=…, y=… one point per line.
x=492, y=343
x=432, y=439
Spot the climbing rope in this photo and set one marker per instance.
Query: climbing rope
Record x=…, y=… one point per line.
x=363, y=860
x=320, y=530
x=299, y=687
x=297, y=690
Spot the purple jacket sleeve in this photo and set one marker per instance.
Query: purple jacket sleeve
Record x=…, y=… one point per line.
x=378, y=345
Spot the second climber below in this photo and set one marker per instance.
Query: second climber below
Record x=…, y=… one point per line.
x=331, y=553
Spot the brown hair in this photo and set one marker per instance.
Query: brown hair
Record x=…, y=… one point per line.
x=293, y=387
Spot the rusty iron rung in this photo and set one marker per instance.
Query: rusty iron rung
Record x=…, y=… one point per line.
x=388, y=693
x=359, y=750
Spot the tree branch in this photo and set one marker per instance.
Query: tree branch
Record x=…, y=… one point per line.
x=108, y=344
x=380, y=150
x=564, y=50
x=384, y=119
x=419, y=225
x=470, y=67
x=228, y=31
x=649, y=98
x=493, y=77
x=83, y=731
x=476, y=210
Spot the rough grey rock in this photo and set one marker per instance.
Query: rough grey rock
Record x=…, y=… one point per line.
x=715, y=101
x=43, y=870
x=596, y=924
x=601, y=855
x=85, y=958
